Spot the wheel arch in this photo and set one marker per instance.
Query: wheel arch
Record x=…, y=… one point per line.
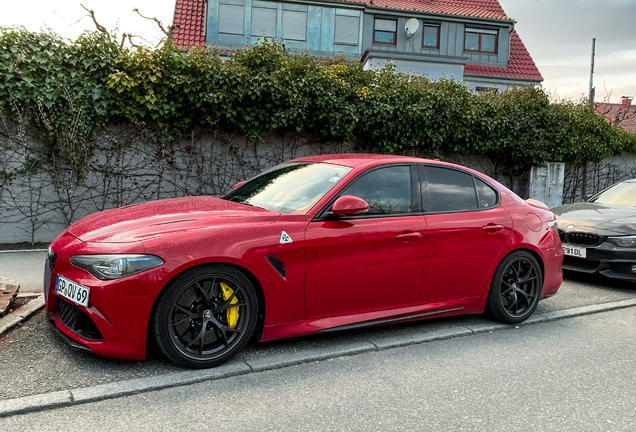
x=252, y=278
x=536, y=256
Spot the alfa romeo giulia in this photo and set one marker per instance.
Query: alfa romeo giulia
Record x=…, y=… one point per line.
x=313, y=245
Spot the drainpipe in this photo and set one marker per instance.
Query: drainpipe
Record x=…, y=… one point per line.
x=512, y=28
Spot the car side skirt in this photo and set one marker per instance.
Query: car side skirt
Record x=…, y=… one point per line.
x=462, y=306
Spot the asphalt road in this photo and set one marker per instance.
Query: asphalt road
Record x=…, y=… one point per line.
x=35, y=360
x=570, y=375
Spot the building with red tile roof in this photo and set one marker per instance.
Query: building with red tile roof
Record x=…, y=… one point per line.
x=469, y=40
x=621, y=114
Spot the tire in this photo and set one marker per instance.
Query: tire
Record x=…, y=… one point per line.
x=205, y=316
x=515, y=289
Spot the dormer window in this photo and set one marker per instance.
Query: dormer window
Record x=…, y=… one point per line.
x=431, y=36
x=481, y=40
x=385, y=31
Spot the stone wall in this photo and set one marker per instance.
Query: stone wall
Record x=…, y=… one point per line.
x=39, y=197
x=581, y=181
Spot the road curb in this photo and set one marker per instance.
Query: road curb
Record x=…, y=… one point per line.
x=25, y=250
x=338, y=349
x=13, y=319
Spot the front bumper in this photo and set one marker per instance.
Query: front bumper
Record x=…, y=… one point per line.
x=115, y=323
x=606, y=259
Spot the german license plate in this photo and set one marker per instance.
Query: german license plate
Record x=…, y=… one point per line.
x=574, y=251
x=72, y=291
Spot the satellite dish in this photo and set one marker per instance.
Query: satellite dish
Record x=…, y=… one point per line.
x=411, y=27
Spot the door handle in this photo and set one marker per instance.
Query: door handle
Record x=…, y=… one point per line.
x=408, y=236
x=492, y=228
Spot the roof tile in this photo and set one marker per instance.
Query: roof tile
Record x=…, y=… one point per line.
x=520, y=65
x=625, y=115
x=189, y=16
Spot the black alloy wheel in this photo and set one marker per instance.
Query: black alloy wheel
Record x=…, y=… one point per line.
x=205, y=316
x=515, y=289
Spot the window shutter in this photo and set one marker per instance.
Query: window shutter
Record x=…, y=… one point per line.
x=231, y=18
x=294, y=25
x=263, y=22
x=385, y=25
x=347, y=29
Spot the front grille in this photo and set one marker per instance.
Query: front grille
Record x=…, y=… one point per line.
x=49, y=264
x=77, y=321
x=52, y=257
x=68, y=313
x=583, y=239
x=579, y=263
x=580, y=238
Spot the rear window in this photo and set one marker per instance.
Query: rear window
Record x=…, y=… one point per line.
x=450, y=190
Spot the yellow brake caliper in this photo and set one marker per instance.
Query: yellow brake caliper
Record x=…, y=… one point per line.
x=232, y=313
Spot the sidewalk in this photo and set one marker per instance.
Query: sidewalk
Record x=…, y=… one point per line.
x=25, y=267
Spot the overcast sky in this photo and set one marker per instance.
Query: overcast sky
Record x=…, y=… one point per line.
x=558, y=34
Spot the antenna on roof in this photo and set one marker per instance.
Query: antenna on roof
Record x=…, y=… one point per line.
x=411, y=27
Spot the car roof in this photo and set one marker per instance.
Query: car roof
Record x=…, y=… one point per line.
x=355, y=159
x=362, y=161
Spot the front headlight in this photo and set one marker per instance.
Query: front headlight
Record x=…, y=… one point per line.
x=106, y=267
x=627, y=241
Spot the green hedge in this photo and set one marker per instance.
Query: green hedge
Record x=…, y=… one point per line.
x=70, y=90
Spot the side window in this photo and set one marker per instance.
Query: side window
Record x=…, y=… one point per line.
x=486, y=194
x=450, y=190
x=387, y=190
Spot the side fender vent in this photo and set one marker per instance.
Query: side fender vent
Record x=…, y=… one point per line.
x=278, y=265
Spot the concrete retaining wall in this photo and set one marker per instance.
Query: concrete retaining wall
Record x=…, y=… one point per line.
x=39, y=197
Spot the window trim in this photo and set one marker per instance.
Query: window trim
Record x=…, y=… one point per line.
x=375, y=42
x=416, y=197
x=426, y=199
x=480, y=32
x=424, y=33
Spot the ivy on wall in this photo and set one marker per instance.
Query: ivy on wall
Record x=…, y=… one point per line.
x=71, y=90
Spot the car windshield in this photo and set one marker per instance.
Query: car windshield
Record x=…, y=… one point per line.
x=289, y=188
x=623, y=194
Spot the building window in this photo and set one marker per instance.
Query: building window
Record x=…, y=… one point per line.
x=264, y=22
x=431, y=36
x=481, y=40
x=481, y=89
x=347, y=30
x=231, y=19
x=385, y=31
x=294, y=25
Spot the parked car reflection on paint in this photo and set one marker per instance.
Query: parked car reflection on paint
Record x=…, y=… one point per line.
x=316, y=244
x=599, y=235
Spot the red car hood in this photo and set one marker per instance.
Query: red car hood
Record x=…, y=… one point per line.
x=159, y=218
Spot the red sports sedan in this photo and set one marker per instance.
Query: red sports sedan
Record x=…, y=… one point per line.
x=316, y=244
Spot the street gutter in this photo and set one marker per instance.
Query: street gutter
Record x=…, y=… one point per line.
x=96, y=393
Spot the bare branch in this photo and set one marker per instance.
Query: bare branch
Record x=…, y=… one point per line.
x=130, y=36
x=167, y=32
x=100, y=27
x=123, y=39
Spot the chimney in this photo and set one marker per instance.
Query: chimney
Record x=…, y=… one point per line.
x=626, y=100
